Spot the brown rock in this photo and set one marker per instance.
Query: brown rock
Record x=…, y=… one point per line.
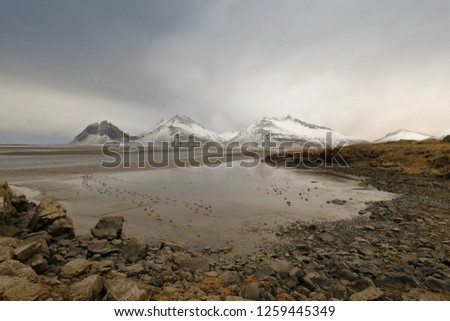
x=18, y=269
x=26, y=251
x=281, y=266
x=89, y=289
x=108, y=228
x=51, y=216
x=119, y=289
x=102, y=247
x=197, y=263
x=134, y=250
x=37, y=263
x=369, y=294
x=75, y=267
x=20, y=289
x=230, y=277
x=251, y=291
x=6, y=253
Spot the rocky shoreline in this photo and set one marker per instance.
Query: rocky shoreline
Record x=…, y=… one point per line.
x=395, y=250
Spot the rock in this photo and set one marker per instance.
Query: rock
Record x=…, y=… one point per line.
x=134, y=250
x=103, y=266
x=89, y=289
x=421, y=295
x=51, y=216
x=6, y=253
x=327, y=237
x=281, y=266
x=315, y=280
x=369, y=294
x=338, y=202
x=251, y=291
x=6, y=208
x=234, y=298
x=56, y=259
x=108, y=228
x=26, y=251
x=37, y=263
x=102, y=247
x=436, y=284
x=229, y=278
x=132, y=270
x=18, y=269
x=75, y=267
x=197, y=263
x=20, y=289
x=174, y=246
x=295, y=271
x=119, y=289
x=396, y=280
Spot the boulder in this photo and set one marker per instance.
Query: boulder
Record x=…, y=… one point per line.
x=6, y=207
x=197, y=263
x=229, y=278
x=26, y=251
x=88, y=289
x=37, y=263
x=6, y=253
x=102, y=247
x=281, y=266
x=20, y=289
x=119, y=289
x=18, y=269
x=369, y=294
x=108, y=228
x=51, y=216
x=134, y=250
x=75, y=267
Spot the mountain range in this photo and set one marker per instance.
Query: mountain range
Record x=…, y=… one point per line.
x=282, y=129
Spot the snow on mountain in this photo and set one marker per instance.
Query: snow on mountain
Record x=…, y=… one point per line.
x=226, y=136
x=178, y=124
x=289, y=129
x=100, y=133
x=402, y=134
x=443, y=134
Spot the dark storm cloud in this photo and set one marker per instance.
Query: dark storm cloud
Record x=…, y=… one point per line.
x=362, y=67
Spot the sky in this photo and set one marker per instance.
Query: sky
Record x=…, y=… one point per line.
x=362, y=67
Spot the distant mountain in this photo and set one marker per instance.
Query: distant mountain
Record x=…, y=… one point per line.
x=444, y=134
x=289, y=129
x=100, y=133
x=226, y=136
x=402, y=134
x=178, y=124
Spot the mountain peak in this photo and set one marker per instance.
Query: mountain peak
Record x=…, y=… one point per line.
x=402, y=134
x=100, y=133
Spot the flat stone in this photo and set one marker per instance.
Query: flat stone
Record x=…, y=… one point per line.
x=197, y=263
x=26, y=251
x=102, y=247
x=281, y=266
x=230, y=277
x=132, y=270
x=75, y=267
x=108, y=228
x=119, y=289
x=89, y=289
x=369, y=294
x=18, y=269
x=20, y=289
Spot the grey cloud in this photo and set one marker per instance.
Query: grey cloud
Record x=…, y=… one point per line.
x=343, y=64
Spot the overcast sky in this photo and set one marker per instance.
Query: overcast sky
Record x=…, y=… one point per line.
x=361, y=67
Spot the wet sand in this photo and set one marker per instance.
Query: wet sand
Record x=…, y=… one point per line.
x=203, y=207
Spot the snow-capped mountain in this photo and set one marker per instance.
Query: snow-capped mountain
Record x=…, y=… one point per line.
x=226, y=136
x=100, y=133
x=402, y=134
x=444, y=134
x=289, y=129
x=178, y=124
